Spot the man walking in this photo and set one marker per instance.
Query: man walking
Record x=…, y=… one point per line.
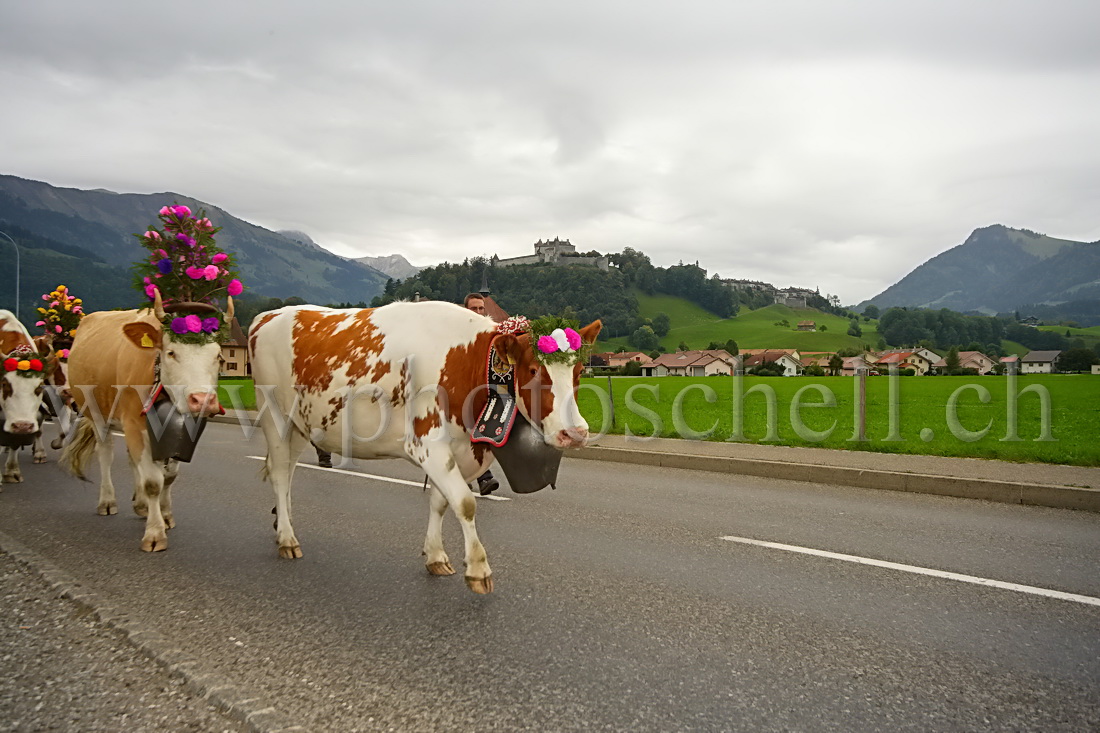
x=486, y=484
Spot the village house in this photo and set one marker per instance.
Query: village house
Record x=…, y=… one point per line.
x=703, y=363
x=807, y=326
x=853, y=365
x=969, y=360
x=1039, y=362
x=786, y=361
x=920, y=360
x=816, y=358
x=1011, y=362
x=234, y=356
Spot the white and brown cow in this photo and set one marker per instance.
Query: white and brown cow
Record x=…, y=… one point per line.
x=57, y=397
x=111, y=366
x=396, y=382
x=20, y=395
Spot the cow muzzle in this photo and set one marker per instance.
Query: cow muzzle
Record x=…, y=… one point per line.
x=204, y=404
x=22, y=427
x=572, y=438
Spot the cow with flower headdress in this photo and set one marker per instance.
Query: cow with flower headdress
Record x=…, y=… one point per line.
x=152, y=370
x=59, y=317
x=430, y=382
x=24, y=371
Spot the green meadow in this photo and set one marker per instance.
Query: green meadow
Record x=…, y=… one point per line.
x=756, y=329
x=243, y=393
x=1057, y=416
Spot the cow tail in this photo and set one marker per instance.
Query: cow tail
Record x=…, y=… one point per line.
x=74, y=457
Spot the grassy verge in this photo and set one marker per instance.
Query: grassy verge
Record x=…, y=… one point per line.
x=933, y=415
x=237, y=394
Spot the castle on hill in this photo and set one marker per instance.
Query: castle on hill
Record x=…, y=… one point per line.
x=558, y=252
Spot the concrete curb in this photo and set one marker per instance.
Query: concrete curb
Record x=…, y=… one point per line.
x=1058, y=497
x=232, y=700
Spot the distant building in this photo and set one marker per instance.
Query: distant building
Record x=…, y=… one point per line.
x=705, y=363
x=806, y=326
x=557, y=252
x=975, y=360
x=1039, y=362
x=234, y=357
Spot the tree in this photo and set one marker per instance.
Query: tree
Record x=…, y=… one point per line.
x=814, y=371
x=822, y=328
x=644, y=339
x=854, y=329
x=661, y=324
x=731, y=348
x=1077, y=360
x=683, y=346
x=836, y=364
x=951, y=361
x=871, y=311
x=632, y=369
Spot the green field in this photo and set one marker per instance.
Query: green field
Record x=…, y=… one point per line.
x=750, y=329
x=1090, y=335
x=1073, y=424
x=246, y=395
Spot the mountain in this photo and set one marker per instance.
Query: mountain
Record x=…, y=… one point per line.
x=997, y=270
x=396, y=266
x=83, y=239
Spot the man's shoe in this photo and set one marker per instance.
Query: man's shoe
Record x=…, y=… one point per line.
x=325, y=461
x=487, y=485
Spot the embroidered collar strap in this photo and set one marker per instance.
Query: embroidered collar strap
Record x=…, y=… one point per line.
x=495, y=422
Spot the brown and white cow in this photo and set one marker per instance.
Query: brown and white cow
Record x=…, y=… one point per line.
x=20, y=395
x=57, y=396
x=396, y=382
x=111, y=366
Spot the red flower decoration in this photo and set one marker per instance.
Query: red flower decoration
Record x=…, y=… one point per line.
x=36, y=365
x=10, y=365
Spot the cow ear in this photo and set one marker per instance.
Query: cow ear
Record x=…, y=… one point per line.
x=512, y=346
x=143, y=335
x=591, y=331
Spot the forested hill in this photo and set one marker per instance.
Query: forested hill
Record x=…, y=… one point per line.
x=590, y=293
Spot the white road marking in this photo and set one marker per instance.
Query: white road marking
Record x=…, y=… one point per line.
x=405, y=482
x=921, y=571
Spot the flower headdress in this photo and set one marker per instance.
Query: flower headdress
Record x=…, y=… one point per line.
x=556, y=339
x=24, y=362
x=61, y=316
x=187, y=267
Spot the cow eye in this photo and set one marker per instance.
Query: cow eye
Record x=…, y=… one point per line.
x=171, y=353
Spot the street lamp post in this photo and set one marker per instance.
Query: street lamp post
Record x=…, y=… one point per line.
x=16, y=274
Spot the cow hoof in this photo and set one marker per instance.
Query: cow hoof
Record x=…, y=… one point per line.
x=440, y=568
x=481, y=586
x=106, y=509
x=141, y=510
x=40, y=459
x=13, y=478
x=154, y=544
x=290, y=553
x=169, y=521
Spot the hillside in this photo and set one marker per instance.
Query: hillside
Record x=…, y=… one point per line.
x=998, y=269
x=750, y=329
x=93, y=229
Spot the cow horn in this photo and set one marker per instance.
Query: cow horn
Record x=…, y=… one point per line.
x=158, y=305
x=229, y=308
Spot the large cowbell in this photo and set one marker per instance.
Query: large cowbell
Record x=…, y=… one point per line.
x=528, y=462
x=172, y=435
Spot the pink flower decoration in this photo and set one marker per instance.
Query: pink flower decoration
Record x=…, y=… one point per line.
x=150, y=291
x=196, y=273
x=574, y=338
x=152, y=235
x=40, y=323
x=194, y=323
x=205, y=224
x=211, y=272
x=234, y=288
x=45, y=297
x=57, y=329
x=219, y=258
x=181, y=211
x=547, y=344
x=166, y=211
x=160, y=253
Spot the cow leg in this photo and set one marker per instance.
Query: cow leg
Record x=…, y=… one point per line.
x=105, y=453
x=442, y=470
x=437, y=561
x=171, y=472
x=149, y=483
x=282, y=456
x=12, y=474
x=39, y=449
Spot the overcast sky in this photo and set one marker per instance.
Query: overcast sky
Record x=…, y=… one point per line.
x=821, y=144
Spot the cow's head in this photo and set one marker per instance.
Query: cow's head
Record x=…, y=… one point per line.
x=24, y=371
x=547, y=390
x=188, y=371
x=57, y=367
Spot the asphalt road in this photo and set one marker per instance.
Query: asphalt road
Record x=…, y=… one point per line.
x=618, y=604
